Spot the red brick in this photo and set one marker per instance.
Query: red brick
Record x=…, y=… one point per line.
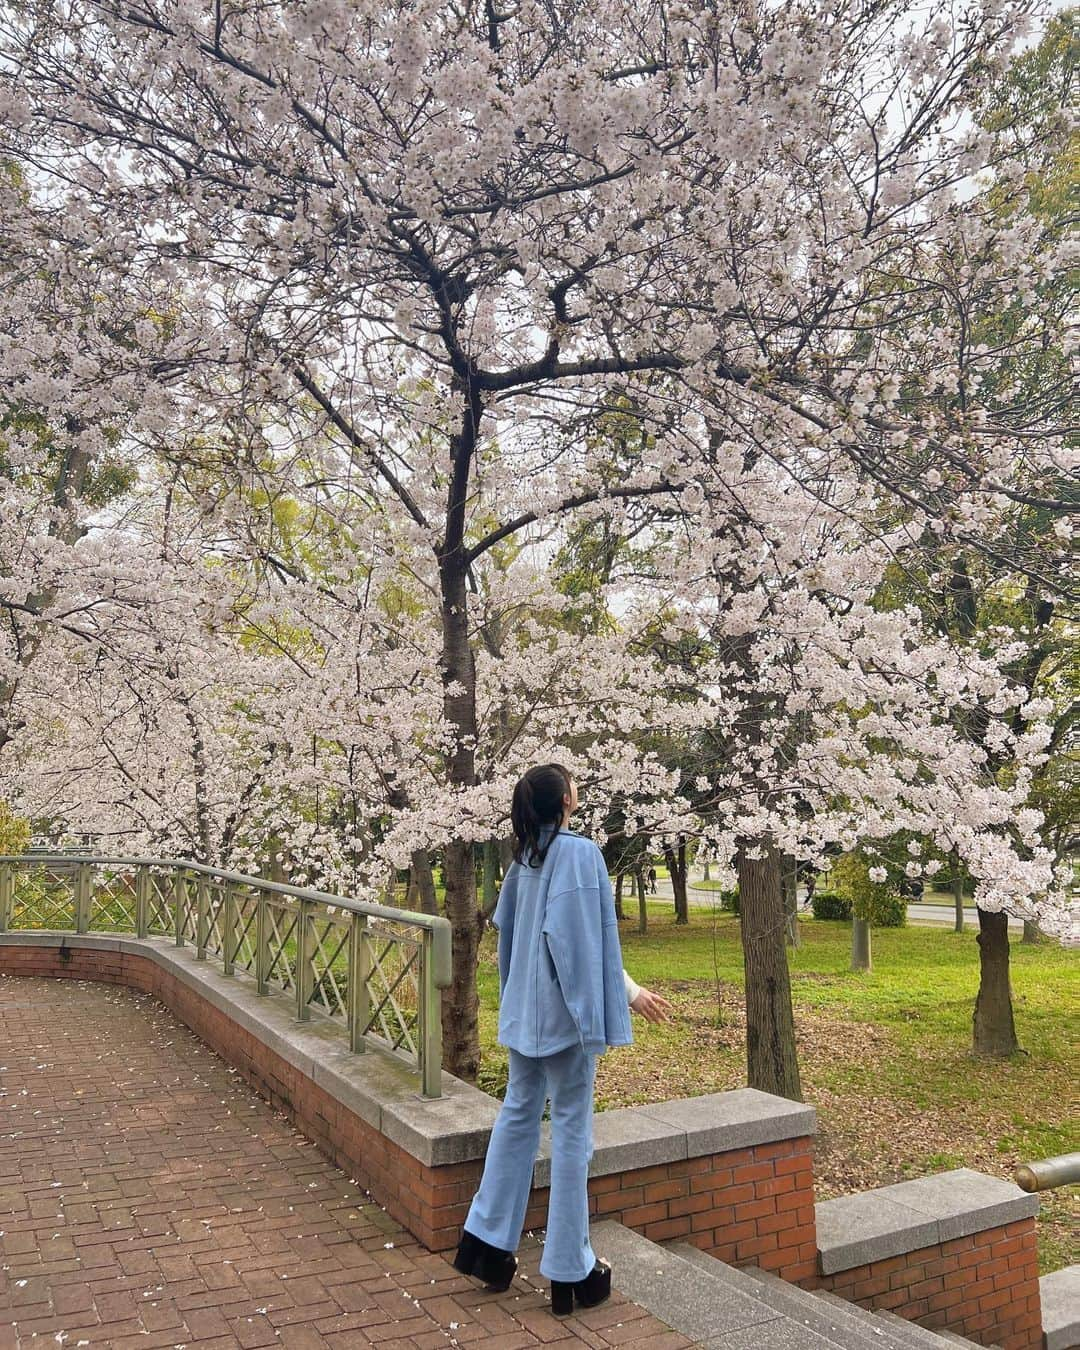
x=710, y=1181
x=753, y=1172
x=667, y=1229
x=690, y=1204
x=640, y=1215
x=774, y=1223
x=665, y=1190
x=758, y=1209
x=777, y=1186
x=755, y=1246
x=642, y=1176
x=948, y=1298
x=686, y=1167
x=616, y=1200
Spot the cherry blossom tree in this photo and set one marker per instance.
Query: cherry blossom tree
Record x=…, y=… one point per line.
x=418, y=255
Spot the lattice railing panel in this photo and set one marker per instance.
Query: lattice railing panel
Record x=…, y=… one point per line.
x=282, y=920
x=112, y=902
x=44, y=899
x=161, y=892
x=187, y=898
x=215, y=913
x=394, y=968
x=330, y=966
x=245, y=939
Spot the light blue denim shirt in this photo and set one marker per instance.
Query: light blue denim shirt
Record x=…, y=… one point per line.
x=560, y=965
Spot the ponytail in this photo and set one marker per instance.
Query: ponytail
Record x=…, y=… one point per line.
x=537, y=801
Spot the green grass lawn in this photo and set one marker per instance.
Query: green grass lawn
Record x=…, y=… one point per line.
x=885, y=1055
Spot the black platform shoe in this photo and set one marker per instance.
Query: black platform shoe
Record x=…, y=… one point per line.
x=481, y=1260
x=586, y=1293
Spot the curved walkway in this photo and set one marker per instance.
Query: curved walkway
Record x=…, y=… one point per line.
x=149, y=1198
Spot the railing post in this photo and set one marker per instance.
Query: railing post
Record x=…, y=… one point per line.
x=228, y=928
x=82, y=898
x=430, y=1022
x=262, y=944
x=142, y=901
x=359, y=994
x=180, y=904
x=304, y=972
x=7, y=886
x=202, y=916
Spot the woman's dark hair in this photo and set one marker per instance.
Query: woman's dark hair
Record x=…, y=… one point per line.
x=537, y=801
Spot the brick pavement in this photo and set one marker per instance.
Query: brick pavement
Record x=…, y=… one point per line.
x=148, y=1198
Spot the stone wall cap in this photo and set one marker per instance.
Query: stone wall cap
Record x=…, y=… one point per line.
x=965, y=1202
x=855, y=1230
x=1059, y=1293
x=43, y=937
x=731, y=1120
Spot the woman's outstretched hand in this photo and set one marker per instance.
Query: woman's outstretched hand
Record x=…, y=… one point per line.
x=652, y=1007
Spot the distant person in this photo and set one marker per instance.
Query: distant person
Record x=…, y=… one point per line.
x=652, y=880
x=564, y=998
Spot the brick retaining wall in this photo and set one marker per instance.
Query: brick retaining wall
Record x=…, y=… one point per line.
x=985, y=1287
x=753, y=1203
x=983, y=1283
x=746, y=1206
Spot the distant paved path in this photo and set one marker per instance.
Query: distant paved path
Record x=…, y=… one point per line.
x=148, y=1198
x=922, y=913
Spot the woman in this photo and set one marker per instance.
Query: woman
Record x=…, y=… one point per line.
x=564, y=998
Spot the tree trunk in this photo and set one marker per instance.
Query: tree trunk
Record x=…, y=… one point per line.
x=491, y=877
x=461, y=1035
x=994, y=1029
x=1031, y=932
x=461, y=1041
x=619, y=877
x=642, y=913
x=789, y=882
x=705, y=872
x=422, y=883
x=860, y=945
x=199, y=784
x=676, y=865
x=771, y=1058
x=958, y=892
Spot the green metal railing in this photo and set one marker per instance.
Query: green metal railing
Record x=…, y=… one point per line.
x=374, y=970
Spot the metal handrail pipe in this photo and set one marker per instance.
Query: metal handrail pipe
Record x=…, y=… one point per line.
x=1064, y=1170
x=438, y=926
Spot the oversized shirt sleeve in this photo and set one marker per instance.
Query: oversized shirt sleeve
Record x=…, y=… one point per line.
x=582, y=936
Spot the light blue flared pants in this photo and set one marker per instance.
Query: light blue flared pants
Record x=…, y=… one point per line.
x=498, y=1209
